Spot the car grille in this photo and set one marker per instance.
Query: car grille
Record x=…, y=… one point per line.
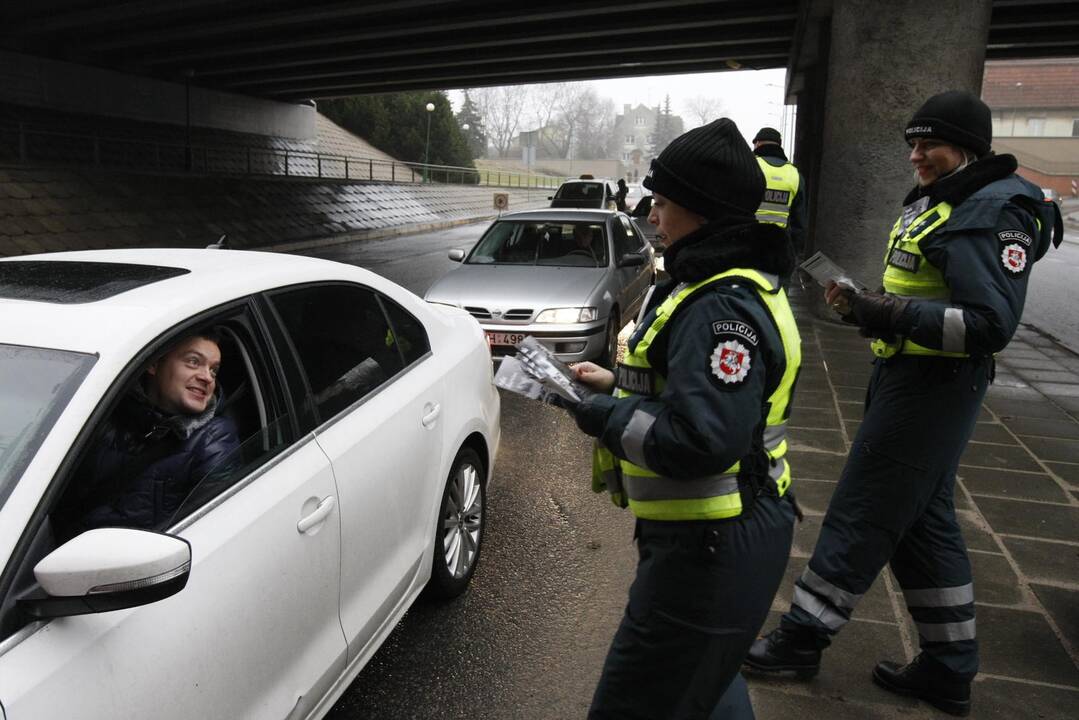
x=513, y=315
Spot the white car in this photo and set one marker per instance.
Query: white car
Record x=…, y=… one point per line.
x=368, y=426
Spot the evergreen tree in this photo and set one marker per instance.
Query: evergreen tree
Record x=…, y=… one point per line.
x=666, y=128
x=475, y=136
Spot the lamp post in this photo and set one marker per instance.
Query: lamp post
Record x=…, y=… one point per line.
x=427, y=145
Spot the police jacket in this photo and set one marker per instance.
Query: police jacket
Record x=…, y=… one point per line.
x=145, y=464
x=962, y=252
x=797, y=213
x=710, y=413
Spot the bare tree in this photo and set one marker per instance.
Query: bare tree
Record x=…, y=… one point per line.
x=502, y=109
x=703, y=109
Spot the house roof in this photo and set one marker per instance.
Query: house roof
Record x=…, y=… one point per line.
x=1031, y=84
x=1052, y=156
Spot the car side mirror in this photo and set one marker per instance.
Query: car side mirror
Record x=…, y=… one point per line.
x=109, y=569
x=550, y=197
x=457, y=255
x=632, y=260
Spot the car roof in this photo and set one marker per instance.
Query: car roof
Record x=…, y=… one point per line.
x=210, y=278
x=560, y=215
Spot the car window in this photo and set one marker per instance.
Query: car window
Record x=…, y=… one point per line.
x=624, y=239
x=155, y=458
x=35, y=387
x=343, y=340
x=407, y=332
x=581, y=191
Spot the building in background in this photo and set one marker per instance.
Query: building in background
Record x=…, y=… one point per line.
x=1035, y=107
x=634, y=141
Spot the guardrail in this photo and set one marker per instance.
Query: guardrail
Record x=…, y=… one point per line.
x=23, y=145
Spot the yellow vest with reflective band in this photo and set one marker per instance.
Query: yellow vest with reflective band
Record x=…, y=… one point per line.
x=654, y=497
x=782, y=186
x=908, y=274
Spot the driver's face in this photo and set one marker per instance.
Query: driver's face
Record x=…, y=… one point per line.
x=183, y=381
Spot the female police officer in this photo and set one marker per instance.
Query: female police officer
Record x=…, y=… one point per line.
x=955, y=277
x=693, y=438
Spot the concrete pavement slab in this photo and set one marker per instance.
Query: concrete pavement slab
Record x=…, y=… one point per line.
x=998, y=456
x=1045, y=561
x=1008, y=483
x=997, y=583
x=1031, y=519
x=1010, y=639
x=1062, y=605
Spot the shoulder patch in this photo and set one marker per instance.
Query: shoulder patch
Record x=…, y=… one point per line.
x=736, y=327
x=1010, y=236
x=731, y=361
x=1014, y=258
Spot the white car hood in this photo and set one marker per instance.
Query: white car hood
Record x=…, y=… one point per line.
x=510, y=286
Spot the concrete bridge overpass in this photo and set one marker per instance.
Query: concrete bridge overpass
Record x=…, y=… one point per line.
x=855, y=68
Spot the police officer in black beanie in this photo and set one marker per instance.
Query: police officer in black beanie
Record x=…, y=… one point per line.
x=955, y=277
x=691, y=438
x=785, y=200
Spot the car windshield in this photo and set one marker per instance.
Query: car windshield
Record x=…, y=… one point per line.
x=580, y=191
x=542, y=243
x=35, y=387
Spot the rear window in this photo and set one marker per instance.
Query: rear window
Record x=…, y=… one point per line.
x=73, y=282
x=580, y=191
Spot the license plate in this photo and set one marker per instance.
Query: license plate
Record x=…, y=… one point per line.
x=499, y=338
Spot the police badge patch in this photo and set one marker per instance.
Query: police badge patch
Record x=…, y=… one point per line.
x=1014, y=258
x=730, y=362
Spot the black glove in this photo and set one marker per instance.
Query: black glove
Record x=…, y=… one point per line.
x=876, y=313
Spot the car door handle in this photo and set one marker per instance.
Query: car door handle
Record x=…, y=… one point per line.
x=320, y=513
x=433, y=411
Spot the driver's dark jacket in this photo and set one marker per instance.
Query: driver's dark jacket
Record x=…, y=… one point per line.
x=145, y=464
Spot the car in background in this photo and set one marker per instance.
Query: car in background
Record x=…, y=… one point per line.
x=639, y=217
x=634, y=193
x=585, y=193
x=570, y=278
x=1050, y=195
x=368, y=425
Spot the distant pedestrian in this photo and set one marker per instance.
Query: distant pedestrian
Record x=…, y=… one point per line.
x=955, y=277
x=691, y=438
x=620, y=195
x=785, y=200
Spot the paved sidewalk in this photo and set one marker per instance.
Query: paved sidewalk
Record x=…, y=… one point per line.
x=1018, y=501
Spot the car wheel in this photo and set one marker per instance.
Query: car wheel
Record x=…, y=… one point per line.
x=609, y=357
x=459, y=531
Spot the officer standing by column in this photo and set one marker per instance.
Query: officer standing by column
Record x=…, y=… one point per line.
x=955, y=277
x=692, y=439
x=786, y=198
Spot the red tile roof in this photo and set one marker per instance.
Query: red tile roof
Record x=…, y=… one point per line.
x=1031, y=84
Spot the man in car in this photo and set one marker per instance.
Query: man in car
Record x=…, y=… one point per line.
x=582, y=241
x=162, y=441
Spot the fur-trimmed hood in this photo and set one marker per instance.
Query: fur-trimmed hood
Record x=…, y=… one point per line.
x=711, y=250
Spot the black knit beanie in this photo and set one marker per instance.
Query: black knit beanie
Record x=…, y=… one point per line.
x=767, y=134
x=956, y=117
x=711, y=171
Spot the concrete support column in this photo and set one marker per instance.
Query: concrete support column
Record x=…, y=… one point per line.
x=884, y=61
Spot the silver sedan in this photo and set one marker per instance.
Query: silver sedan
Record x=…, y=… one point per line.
x=570, y=278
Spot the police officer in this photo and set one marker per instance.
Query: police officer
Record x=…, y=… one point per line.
x=956, y=271
x=692, y=440
x=785, y=198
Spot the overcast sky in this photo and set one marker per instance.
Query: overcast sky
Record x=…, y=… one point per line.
x=752, y=98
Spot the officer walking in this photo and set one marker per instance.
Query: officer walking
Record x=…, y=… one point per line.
x=785, y=198
x=692, y=439
x=956, y=271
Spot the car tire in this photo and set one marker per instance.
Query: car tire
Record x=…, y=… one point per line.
x=462, y=518
x=609, y=357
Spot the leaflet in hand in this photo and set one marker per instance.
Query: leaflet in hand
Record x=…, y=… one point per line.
x=822, y=269
x=534, y=372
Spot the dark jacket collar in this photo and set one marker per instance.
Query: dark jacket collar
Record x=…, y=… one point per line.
x=957, y=187
x=773, y=151
x=712, y=249
x=139, y=415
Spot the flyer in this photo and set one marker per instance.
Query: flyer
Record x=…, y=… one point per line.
x=536, y=373
x=822, y=269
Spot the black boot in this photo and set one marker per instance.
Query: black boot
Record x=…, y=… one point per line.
x=785, y=650
x=927, y=679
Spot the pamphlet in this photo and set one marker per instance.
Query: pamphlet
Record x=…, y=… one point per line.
x=822, y=269
x=534, y=372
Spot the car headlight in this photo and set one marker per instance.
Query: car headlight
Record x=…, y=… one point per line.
x=564, y=316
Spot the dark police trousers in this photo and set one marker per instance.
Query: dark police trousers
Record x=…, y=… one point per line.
x=895, y=504
x=702, y=592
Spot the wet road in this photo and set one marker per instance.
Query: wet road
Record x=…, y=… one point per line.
x=528, y=638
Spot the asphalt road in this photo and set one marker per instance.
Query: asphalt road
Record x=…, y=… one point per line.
x=1054, y=290
x=528, y=638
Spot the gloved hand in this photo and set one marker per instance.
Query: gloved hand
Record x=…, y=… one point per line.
x=876, y=312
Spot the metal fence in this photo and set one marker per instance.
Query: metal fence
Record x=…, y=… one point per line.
x=24, y=145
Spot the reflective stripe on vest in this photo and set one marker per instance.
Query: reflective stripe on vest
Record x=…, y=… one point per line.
x=781, y=187
x=655, y=497
x=908, y=274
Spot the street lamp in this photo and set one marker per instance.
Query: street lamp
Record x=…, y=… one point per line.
x=427, y=145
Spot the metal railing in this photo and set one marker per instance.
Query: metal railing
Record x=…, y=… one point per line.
x=24, y=145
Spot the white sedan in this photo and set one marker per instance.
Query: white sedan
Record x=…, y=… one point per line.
x=361, y=426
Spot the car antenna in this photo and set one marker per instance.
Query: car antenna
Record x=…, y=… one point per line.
x=221, y=244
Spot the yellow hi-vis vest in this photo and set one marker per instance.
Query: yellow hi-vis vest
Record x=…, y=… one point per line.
x=908, y=274
x=654, y=497
x=782, y=186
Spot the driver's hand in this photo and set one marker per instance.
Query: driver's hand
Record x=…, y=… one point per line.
x=594, y=377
